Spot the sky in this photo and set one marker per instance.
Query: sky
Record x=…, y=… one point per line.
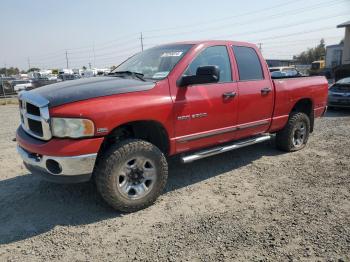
x=38, y=33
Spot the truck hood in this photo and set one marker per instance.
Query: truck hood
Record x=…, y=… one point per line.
x=86, y=88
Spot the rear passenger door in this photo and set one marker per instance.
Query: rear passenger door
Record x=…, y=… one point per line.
x=256, y=93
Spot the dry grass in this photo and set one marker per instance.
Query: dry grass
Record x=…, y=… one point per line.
x=8, y=101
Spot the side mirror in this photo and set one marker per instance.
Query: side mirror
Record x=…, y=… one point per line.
x=204, y=75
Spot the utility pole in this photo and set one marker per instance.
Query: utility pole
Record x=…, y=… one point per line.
x=93, y=50
x=141, y=38
x=2, y=85
x=260, y=47
x=67, y=59
x=28, y=63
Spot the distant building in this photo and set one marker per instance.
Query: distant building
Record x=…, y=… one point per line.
x=334, y=55
x=346, y=50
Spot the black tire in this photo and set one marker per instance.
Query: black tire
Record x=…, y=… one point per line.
x=117, y=161
x=286, y=138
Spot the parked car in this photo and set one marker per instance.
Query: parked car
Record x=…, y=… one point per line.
x=284, y=71
x=20, y=85
x=66, y=77
x=6, y=87
x=192, y=99
x=51, y=77
x=339, y=94
x=39, y=82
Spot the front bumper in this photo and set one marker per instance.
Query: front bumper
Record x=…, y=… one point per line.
x=59, y=160
x=338, y=101
x=71, y=169
x=340, y=105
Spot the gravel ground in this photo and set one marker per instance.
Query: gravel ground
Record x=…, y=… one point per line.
x=256, y=204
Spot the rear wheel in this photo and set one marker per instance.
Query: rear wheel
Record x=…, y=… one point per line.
x=131, y=175
x=295, y=134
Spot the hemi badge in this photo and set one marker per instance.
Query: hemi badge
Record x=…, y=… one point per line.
x=186, y=117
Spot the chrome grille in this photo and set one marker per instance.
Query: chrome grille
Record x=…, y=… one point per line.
x=35, y=118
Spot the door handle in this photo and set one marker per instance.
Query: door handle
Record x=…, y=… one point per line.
x=228, y=95
x=265, y=90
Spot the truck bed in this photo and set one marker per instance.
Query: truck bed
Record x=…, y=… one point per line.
x=290, y=90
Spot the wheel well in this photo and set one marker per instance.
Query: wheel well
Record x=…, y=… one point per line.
x=150, y=131
x=305, y=106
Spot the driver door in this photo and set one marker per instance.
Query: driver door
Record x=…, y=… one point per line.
x=206, y=114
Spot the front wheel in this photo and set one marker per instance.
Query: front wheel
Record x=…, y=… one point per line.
x=131, y=175
x=295, y=134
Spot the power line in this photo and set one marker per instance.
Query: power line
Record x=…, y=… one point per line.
x=302, y=41
x=251, y=21
x=296, y=33
x=108, y=54
x=224, y=18
x=229, y=36
x=129, y=52
x=308, y=21
x=73, y=59
x=87, y=49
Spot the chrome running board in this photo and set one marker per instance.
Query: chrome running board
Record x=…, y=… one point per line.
x=225, y=148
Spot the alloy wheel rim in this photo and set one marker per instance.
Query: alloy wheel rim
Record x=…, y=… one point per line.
x=299, y=134
x=137, y=177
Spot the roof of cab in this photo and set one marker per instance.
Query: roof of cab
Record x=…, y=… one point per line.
x=214, y=42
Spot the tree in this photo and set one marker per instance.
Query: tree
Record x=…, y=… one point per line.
x=33, y=69
x=312, y=54
x=84, y=67
x=9, y=71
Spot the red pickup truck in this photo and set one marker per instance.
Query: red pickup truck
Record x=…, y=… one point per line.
x=192, y=99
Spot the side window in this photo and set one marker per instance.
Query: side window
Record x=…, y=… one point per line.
x=248, y=62
x=214, y=55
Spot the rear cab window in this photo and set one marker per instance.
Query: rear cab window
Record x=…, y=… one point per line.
x=248, y=64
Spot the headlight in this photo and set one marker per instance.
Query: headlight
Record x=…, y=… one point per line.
x=72, y=127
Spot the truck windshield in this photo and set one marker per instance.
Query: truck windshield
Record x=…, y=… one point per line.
x=155, y=63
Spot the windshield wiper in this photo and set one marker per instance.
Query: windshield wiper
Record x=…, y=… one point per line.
x=130, y=73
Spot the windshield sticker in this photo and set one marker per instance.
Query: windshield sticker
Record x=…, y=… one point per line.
x=169, y=54
x=160, y=74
